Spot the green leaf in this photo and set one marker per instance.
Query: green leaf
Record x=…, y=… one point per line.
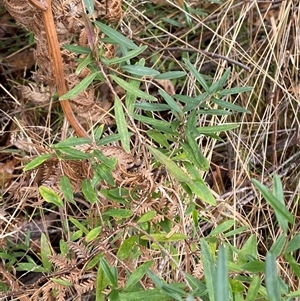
x=223, y=227
x=249, y=248
x=72, y=141
x=279, y=195
x=198, y=186
x=148, y=295
x=254, y=266
x=235, y=90
x=84, y=63
x=66, y=188
x=221, y=284
x=79, y=87
x=77, y=224
x=77, y=49
x=278, y=245
x=126, y=247
x=172, y=168
x=148, y=216
x=89, y=191
x=162, y=237
x=129, y=55
x=278, y=207
x=138, y=274
x=170, y=101
x=45, y=253
x=74, y=154
x=140, y=70
x=158, y=137
x=37, y=161
x=253, y=288
x=229, y=106
x=118, y=213
x=217, y=128
x=117, y=37
x=122, y=125
x=171, y=75
x=50, y=196
x=132, y=88
x=219, y=84
x=110, y=272
x=89, y=4
x=199, y=77
x=293, y=264
x=209, y=268
x=101, y=284
x=293, y=244
x=62, y=282
x=29, y=267
x=272, y=280
x=93, y=234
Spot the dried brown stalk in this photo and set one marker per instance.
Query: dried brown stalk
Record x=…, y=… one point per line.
x=59, y=76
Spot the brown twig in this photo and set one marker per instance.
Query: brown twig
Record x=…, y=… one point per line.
x=59, y=76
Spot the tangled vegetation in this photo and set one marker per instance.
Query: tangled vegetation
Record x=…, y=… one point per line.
x=178, y=178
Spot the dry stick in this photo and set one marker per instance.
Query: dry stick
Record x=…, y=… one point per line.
x=59, y=76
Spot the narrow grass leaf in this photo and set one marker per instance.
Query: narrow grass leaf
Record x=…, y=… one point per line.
x=74, y=154
x=117, y=37
x=199, y=77
x=221, y=284
x=172, y=168
x=249, y=248
x=129, y=55
x=218, y=85
x=138, y=274
x=122, y=125
x=37, y=161
x=93, y=234
x=278, y=245
x=140, y=70
x=72, y=141
x=62, y=282
x=153, y=107
x=118, y=213
x=279, y=195
x=236, y=231
x=223, y=227
x=84, y=63
x=209, y=268
x=158, y=137
x=101, y=284
x=50, y=196
x=230, y=106
x=79, y=87
x=148, y=216
x=89, y=4
x=89, y=191
x=77, y=49
x=278, y=207
x=109, y=272
x=162, y=237
x=66, y=188
x=132, y=88
x=170, y=101
x=253, y=288
x=45, y=253
x=126, y=247
x=171, y=75
x=77, y=224
x=271, y=280
x=293, y=264
x=254, y=266
x=130, y=98
x=217, y=128
x=293, y=244
x=235, y=90
x=148, y=295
